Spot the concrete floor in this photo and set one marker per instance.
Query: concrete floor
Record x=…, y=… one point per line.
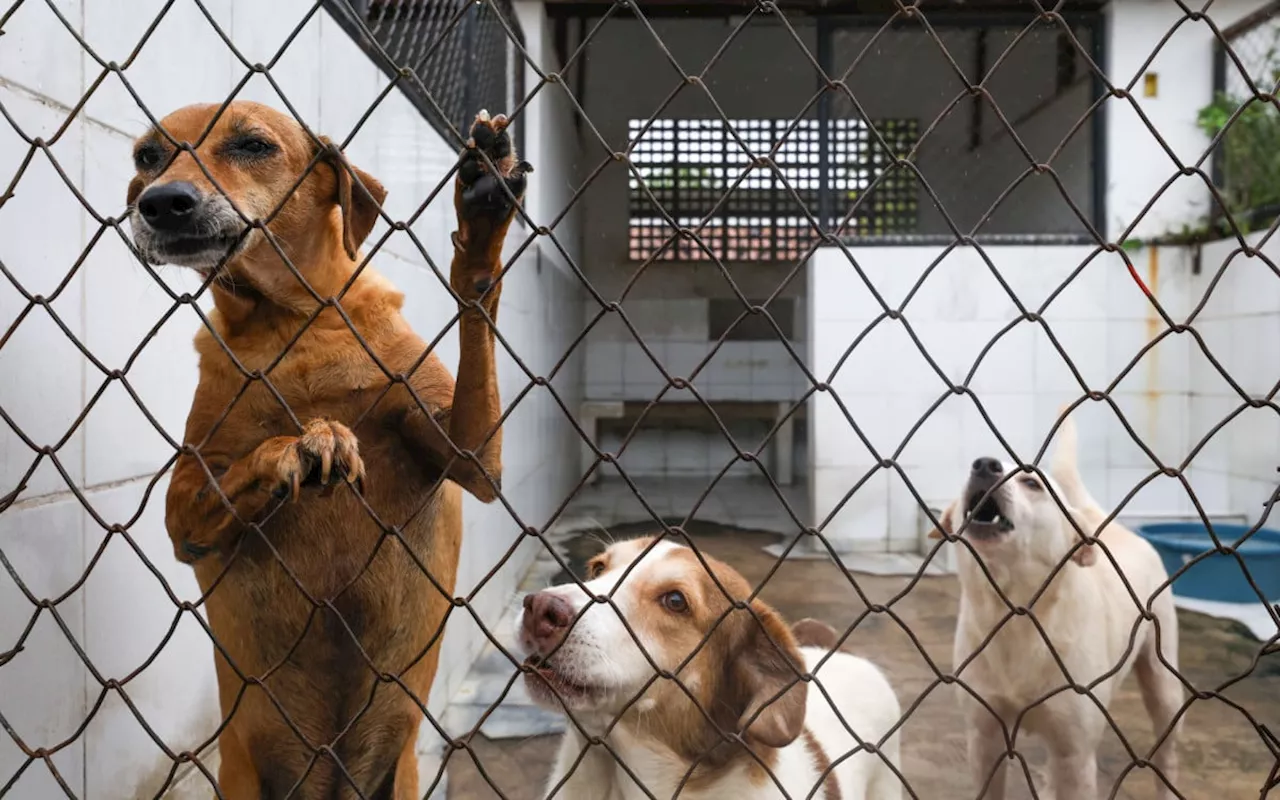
x=1223, y=754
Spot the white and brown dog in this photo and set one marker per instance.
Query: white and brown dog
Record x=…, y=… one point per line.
x=1085, y=609
x=732, y=719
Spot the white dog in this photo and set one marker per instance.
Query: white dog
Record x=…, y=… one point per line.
x=1089, y=618
x=743, y=727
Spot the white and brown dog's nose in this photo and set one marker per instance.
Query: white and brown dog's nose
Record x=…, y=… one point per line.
x=547, y=617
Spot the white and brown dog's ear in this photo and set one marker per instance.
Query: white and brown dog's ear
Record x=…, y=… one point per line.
x=947, y=521
x=810, y=632
x=766, y=672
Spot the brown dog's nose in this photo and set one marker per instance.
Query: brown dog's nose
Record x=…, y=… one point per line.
x=170, y=207
x=987, y=466
x=546, y=618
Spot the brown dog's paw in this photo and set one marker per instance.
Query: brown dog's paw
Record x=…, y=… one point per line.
x=326, y=452
x=482, y=195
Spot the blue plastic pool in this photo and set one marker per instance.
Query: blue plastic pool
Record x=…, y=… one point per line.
x=1217, y=577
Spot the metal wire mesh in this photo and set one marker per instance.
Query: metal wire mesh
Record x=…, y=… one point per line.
x=1243, y=168
x=1032, y=73
x=447, y=77
x=457, y=51
x=687, y=166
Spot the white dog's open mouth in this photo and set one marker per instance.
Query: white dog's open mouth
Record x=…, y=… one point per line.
x=986, y=519
x=547, y=684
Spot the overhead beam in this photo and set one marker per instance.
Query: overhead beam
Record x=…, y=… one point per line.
x=952, y=11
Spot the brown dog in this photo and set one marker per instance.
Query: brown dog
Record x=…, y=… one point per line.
x=326, y=603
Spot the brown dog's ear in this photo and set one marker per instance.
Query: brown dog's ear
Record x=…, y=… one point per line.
x=767, y=664
x=945, y=520
x=359, y=196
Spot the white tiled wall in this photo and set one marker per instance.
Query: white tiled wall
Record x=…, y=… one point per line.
x=45, y=685
x=1240, y=326
x=626, y=362
x=1100, y=320
x=674, y=333
x=1139, y=161
x=122, y=612
x=1169, y=399
x=630, y=78
x=886, y=385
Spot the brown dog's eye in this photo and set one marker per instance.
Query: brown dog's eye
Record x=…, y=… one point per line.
x=674, y=602
x=250, y=147
x=594, y=570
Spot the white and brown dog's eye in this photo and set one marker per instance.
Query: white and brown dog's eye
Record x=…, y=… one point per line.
x=594, y=570
x=675, y=602
x=148, y=156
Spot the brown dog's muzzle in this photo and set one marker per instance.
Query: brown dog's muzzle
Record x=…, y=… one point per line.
x=175, y=222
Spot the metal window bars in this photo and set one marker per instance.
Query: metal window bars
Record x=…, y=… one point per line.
x=462, y=54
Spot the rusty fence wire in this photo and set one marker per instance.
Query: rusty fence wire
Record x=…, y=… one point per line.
x=460, y=60
x=1247, y=63
x=719, y=199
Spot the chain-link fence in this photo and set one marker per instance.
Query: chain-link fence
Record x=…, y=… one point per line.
x=811, y=291
x=1244, y=168
x=463, y=61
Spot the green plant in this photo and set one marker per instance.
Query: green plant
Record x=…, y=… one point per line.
x=1250, y=149
x=1187, y=235
x=682, y=178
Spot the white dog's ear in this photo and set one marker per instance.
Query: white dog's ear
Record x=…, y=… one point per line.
x=1085, y=554
x=767, y=670
x=946, y=519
